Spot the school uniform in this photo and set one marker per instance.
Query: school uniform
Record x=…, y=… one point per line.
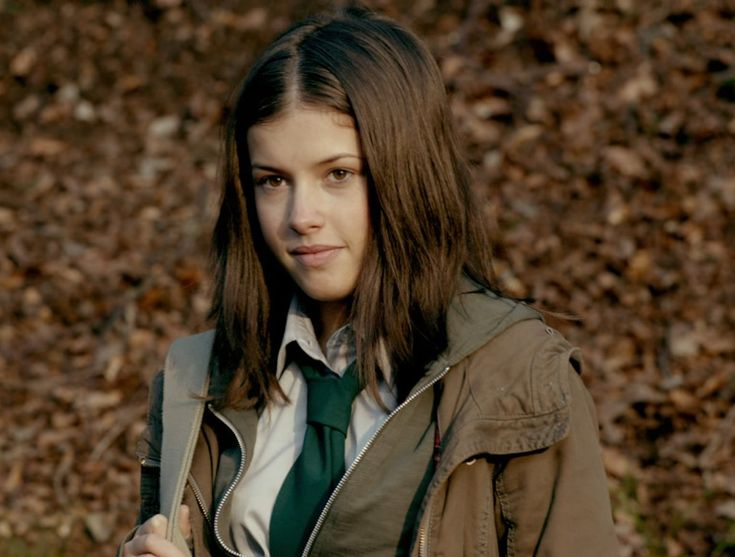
x=494, y=452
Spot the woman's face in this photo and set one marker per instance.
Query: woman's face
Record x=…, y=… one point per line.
x=311, y=198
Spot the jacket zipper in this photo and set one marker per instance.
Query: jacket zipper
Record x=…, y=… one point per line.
x=424, y=536
x=200, y=498
x=232, y=485
x=359, y=457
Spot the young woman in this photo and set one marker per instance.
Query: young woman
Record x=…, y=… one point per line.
x=366, y=390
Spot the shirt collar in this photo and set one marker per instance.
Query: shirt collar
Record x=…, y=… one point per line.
x=299, y=329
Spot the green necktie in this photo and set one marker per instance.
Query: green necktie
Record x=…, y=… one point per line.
x=321, y=463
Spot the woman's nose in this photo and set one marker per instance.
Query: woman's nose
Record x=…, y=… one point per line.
x=305, y=213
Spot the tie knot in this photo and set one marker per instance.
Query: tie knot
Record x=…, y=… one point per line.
x=329, y=396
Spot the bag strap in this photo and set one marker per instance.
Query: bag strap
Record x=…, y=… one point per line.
x=185, y=384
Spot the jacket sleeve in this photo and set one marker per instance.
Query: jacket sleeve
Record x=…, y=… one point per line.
x=555, y=502
x=149, y=456
x=149, y=452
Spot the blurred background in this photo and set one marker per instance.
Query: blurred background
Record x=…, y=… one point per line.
x=602, y=138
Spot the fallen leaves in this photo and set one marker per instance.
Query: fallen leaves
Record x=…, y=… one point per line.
x=601, y=134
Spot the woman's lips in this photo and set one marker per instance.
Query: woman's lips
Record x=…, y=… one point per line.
x=314, y=256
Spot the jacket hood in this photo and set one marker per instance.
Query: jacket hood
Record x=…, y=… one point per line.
x=476, y=316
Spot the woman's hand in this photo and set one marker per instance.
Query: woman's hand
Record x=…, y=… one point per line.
x=150, y=538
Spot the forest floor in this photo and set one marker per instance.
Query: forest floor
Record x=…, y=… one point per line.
x=602, y=137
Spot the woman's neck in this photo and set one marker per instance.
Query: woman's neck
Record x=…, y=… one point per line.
x=327, y=318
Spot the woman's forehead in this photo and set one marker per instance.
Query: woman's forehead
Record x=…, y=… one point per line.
x=304, y=134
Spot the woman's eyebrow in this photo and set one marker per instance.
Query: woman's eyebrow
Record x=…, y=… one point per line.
x=260, y=166
x=267, y=167
x=341, y=156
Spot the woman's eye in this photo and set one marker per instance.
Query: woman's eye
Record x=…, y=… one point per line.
x=340, y=174
x=269, y=181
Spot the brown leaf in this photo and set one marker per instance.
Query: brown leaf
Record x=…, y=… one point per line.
x=23, y=62
x=625, y=161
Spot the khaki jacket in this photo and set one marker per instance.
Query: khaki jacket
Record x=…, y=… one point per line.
x=516, y=467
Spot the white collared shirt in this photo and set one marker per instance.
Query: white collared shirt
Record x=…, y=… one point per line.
x=281, y=429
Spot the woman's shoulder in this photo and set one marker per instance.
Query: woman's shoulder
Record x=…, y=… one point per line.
x=196, y=347
x=525, y=370
x=524, y=376
x=513, y=363
x=187, y=367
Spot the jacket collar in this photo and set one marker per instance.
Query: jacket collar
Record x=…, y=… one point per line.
x=476, y=315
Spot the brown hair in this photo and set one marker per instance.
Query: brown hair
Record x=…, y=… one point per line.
x=426, y=231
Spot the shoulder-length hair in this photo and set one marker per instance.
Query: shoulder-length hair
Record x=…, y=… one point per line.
x=425, y=228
